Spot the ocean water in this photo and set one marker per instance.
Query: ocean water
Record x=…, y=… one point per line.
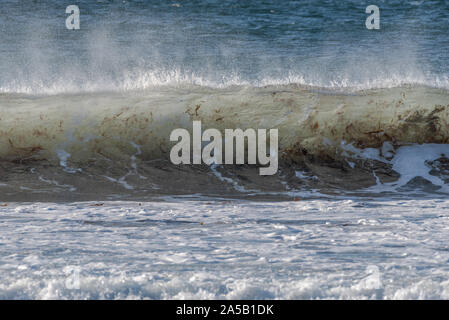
x=199, y=249
x=92, y=207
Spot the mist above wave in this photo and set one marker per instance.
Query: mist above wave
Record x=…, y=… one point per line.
x=139, y=47
x=147, y=80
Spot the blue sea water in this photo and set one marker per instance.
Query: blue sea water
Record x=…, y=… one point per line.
x=322, y=43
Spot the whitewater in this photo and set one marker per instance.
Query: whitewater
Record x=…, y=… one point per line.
x=221, y=249
x=91, y=206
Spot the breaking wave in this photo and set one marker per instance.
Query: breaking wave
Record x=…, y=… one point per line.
x=138, y=80
x=376, y=140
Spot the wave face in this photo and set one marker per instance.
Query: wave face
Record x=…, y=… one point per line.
x=374, y=141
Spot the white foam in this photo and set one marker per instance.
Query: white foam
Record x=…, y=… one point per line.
x=132, y=80
x=213, y=167
x=308, y=249
x=410, y=162
x=63, y=157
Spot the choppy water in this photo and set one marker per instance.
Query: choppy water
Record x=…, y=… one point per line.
x=139, y=44
x=225, y=249
x=363, y=120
